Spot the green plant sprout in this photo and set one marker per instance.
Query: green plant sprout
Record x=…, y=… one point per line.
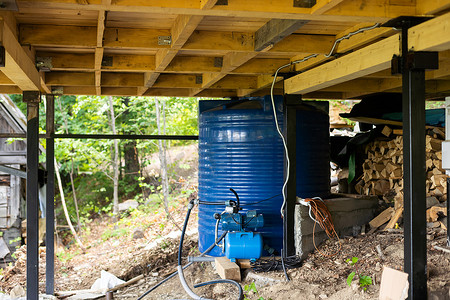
x=252, y=288
x=364, y=281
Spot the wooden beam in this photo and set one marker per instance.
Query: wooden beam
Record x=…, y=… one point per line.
x=134, y=38
x=433, y=35
x=50, y=35
x=70, y=79
x=236, y=82
x=122, y=79
x=372, y=11
x=119, y=91
x=163, y=92
x=18, y=65
x=101, y=27
x=323, y=6
x=178, y=81
x=425, y=7
x=207, y=4
x=183, y=28
x=370, y=59
x=70, y=61
x=274, y=31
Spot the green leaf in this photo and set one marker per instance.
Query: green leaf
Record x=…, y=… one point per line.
x=364, y=280
x=350, y=278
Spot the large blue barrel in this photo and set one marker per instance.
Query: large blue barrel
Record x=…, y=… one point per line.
x=240, y=148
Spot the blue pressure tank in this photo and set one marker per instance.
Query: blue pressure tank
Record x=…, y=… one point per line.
x=239, y=148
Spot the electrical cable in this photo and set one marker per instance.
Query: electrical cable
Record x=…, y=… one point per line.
x=246, y=204
x=284, y=267
x=347, y=36
x=275, y=264
x=322, y=216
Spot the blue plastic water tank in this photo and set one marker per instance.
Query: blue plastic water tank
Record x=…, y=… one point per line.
x=240, y=148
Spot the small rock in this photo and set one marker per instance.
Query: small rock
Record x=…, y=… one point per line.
x=138, y=234
x=323, y=296
x=17, y=292
x=431, y=201
x=129, y=204
x=378, y=267
x=155, y=274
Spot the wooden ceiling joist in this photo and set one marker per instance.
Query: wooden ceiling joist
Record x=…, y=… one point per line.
x=215, y=48
x=17, y=65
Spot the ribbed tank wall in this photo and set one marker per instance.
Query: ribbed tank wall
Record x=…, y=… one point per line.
x=313, y=153
x=240, y=149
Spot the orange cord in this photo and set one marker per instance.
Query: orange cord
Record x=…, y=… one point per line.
x=323, y=216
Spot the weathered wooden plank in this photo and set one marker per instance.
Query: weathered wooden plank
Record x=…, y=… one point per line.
x=227, y=269
x=274, y=31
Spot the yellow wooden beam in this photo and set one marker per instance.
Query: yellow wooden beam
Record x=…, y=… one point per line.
x=119, y=91
x=323, y=6
x=50, y=35
x=10, y=89
x=426, y=7
x=432, y=35
x=178, y=81
x=368, y=60
x=371, y=11
x=70, y=61
x=122, y=79
x=70, y=79
x=18, y=65
x=207, y=4
x=176, y=92
x=124, y=62
x=236, y=82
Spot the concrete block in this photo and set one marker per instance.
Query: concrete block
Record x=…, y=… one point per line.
x=346, y=213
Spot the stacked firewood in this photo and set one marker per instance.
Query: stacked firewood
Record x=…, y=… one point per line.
x=383, y=168
x=383, y=176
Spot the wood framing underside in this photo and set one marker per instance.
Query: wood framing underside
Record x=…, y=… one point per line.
x=212, y=48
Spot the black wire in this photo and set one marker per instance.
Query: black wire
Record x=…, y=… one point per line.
x=274, y=264
x=237, y=197
x=284, y=267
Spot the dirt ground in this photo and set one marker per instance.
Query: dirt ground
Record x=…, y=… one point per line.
x=318, y=277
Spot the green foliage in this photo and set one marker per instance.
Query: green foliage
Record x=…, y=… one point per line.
x=251, y=289
x=114, y=232
x=65, y=256
x=364, y=280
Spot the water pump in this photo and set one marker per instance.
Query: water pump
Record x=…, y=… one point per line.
x=241, y=242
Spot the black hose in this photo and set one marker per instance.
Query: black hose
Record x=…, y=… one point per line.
x=185, y=267
x=237, y=198
x=284, y=267
x=241, y=292
x=183, y=232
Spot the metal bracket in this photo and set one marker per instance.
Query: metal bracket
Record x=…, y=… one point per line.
x=164, y=40
x=198, y=79
x=420, y=60
x=304, y=3
x=44, y=64
x=218, y=62
x=31, y=96
x=8, y=5
x=407, y=21
x=57, y=90
x=107, y=61
x=222, y=2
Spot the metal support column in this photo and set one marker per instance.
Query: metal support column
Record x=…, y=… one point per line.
x=50, y=203
x=290, y=124
x=412, y=66
x=32, y=99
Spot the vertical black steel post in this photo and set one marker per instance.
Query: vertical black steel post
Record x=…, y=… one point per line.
x=290, y=124
x=414, y=178
x=413, y=66
x=50, y=203
x=32, y=99
x=448, y=211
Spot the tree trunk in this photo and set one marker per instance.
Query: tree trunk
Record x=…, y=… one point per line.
x=71, y=173
x=131, y=155
x=115, y=160
x=66, y=212
x=162, y=158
